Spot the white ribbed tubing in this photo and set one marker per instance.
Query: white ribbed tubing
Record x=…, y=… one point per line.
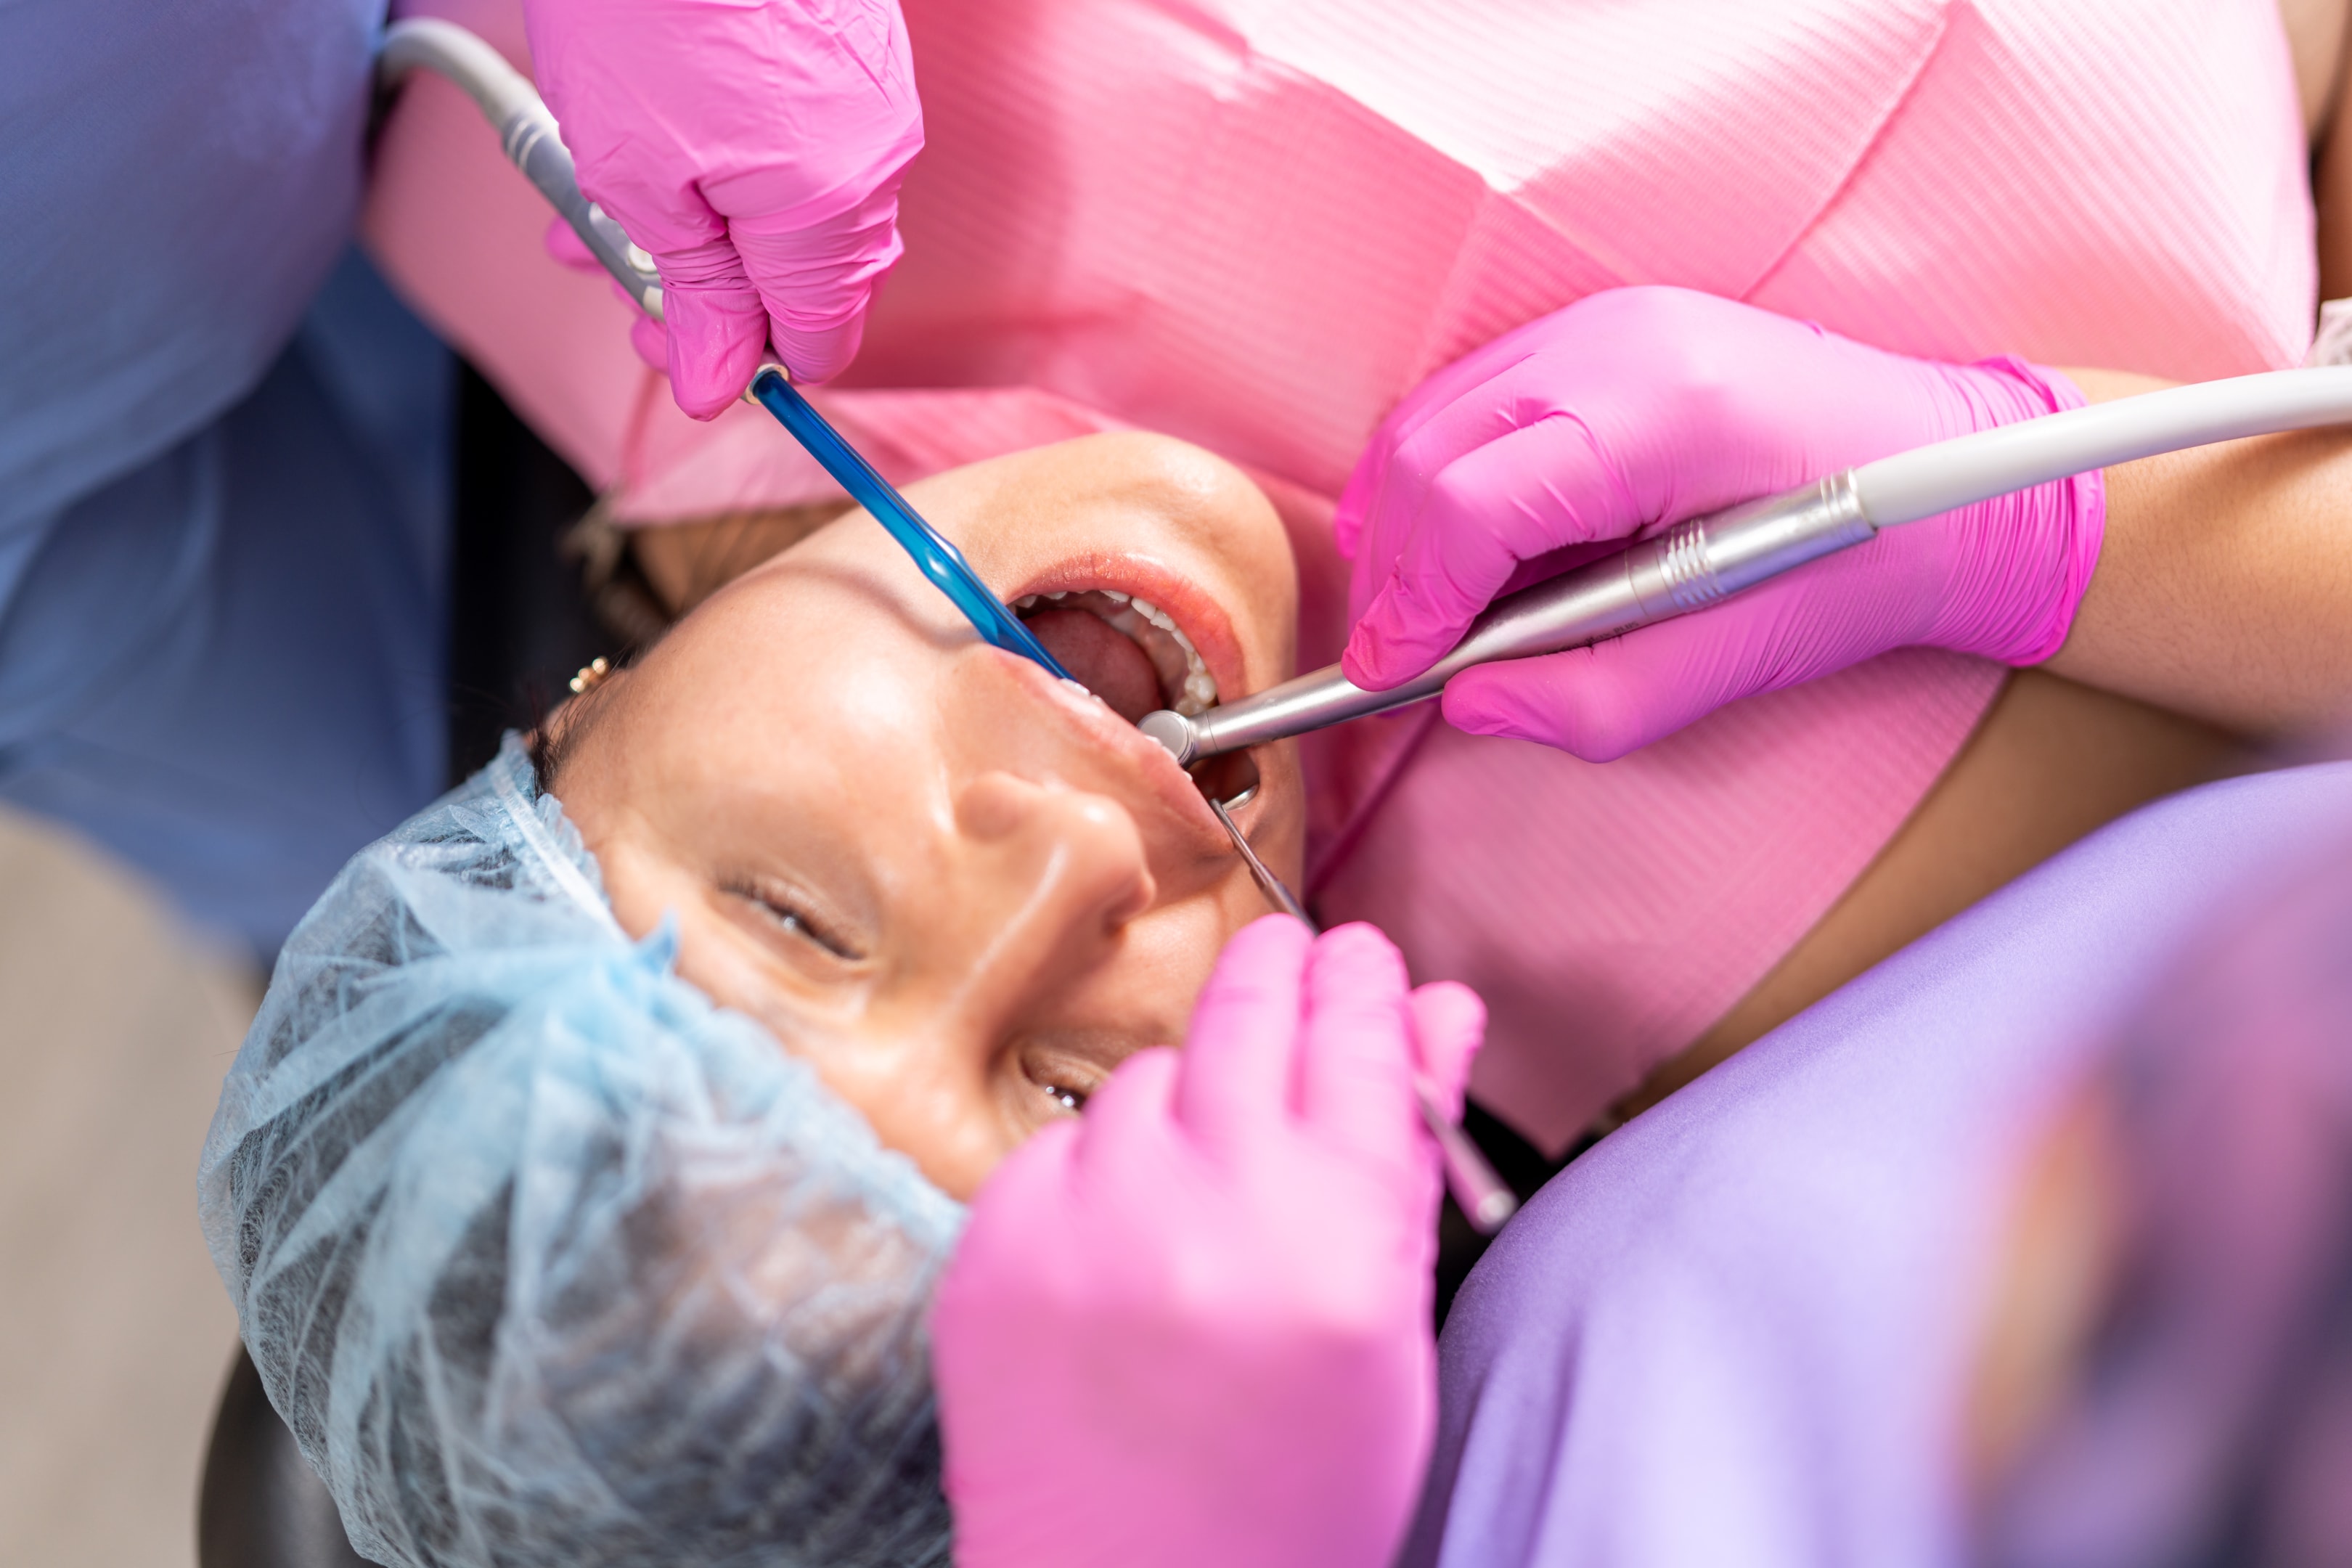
x=527, y=131
x=1969, y=468
x=465, y=59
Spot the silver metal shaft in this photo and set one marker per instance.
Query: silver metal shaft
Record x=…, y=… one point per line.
x=1277, y=892
x=1688, y=567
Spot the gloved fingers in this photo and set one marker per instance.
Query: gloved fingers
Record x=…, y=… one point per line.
x=1239, y=1051
x=649, y=338
x=564, y=244
x=1123, y=1135
x=1140, y=1093
x=717, y=325
x=1031, y=1187
x=1015, y=1274
x=1442, y=391
x=716, y=338
x=1449, y=1025
x=817, y=355
x=1595, y=703
x=817, y=277
x=1600, y=702
x=1537, y=489
x=1356, y=1059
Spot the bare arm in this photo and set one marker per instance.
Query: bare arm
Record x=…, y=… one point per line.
x=2224, y=587
x=2314, y=35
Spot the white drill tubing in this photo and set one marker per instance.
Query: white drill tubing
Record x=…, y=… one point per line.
x=449, y=50
x=1969, y=468
x=527, y=131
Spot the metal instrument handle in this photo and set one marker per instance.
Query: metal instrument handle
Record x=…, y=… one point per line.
x=1690, y=566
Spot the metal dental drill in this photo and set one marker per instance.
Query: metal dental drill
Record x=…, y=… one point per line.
x=1483, y=1197
x=1708, y=559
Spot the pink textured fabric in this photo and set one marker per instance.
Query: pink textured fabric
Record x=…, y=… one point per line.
x=1259, y=225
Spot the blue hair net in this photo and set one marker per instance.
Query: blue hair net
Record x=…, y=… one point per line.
x=544, y=1258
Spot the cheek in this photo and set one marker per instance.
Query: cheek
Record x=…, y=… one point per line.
x=924, y=1102
x=642, y=888
x=1279, y=837
x=1144, y=995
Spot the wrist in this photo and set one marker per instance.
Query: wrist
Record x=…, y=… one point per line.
x=2020, y=564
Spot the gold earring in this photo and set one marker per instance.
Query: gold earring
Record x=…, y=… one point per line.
x=592, y=675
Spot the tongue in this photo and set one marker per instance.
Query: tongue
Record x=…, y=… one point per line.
x=1105, y=661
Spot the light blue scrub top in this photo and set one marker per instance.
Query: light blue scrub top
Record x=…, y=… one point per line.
x=220, y=538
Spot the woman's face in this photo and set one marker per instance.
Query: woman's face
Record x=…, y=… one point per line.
x=960, y=888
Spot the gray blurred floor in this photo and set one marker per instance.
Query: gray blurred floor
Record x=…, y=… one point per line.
x=115, y=1029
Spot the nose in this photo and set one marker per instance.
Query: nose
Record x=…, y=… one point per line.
x=1053, y=873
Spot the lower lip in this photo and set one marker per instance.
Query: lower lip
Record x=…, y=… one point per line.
x=1115, y=734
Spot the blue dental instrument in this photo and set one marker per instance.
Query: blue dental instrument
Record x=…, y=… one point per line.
x=533, y=143
x=935, y=555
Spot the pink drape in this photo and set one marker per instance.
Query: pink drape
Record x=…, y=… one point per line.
x=1256, y=225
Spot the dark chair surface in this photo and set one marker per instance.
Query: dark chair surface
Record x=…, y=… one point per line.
x=261, y=1506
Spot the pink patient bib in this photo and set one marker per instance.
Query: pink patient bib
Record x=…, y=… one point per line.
x=1257, y=225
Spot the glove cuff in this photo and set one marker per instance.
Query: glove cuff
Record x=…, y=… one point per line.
x=2029, y=556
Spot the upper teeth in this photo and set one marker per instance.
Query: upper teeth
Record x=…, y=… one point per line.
x=1199, y=691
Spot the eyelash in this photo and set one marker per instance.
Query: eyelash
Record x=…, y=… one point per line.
x=795, y=920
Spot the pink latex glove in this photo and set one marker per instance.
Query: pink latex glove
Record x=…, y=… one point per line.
x=1193, y=1326
x=1631, y=410
x=754, y=147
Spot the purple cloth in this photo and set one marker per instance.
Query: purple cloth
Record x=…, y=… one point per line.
x=2208, y=1417
x=1733, y=1332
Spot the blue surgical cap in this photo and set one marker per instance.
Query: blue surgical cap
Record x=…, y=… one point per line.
x=544, y=1258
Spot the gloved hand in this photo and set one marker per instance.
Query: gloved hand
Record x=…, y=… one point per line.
x=1631, y=410
x=754, y=147
x=1193, y=1326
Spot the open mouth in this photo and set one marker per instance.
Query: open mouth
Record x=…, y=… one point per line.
x=1125, y=649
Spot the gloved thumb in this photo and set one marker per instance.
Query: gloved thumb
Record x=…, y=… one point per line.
x=1600, y=702
x=817, y=277
x=1617, y=697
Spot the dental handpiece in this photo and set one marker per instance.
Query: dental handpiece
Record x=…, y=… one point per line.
x=1484, y=1200
x=534, y=144
x=1707, y=559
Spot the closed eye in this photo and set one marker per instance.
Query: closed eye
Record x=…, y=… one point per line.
x=787, y=915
